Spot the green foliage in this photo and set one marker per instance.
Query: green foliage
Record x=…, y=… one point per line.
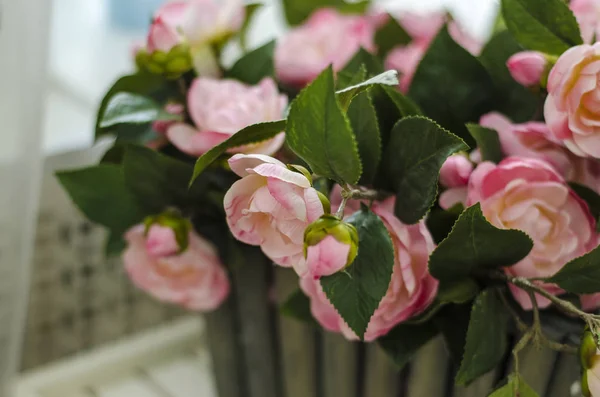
x=126, y=108
x=453, y=323
x=486, y=341
x=297, y=11
x=475, y=245
x=389, y=36
x=451, y=86
x=591, y=198
x=510, y=98
x=542, y=25
x=356, y=292
x=581, y=275
x=516, y=387
x=319, y=132
x=345, y=96
x=255, y=65
x=440, y=221
x=363, y=120
x=404, y=104
x=364, y=58
x=402, y=342
x=255, y=133
x=487, y=141
x=414, y=155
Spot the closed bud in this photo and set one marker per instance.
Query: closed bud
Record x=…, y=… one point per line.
x=527, y=67
x=167, y=234
x=590, y=363
x=171, y=64
x=330, y=245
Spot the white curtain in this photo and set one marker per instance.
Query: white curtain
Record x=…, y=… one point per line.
x=23, y=45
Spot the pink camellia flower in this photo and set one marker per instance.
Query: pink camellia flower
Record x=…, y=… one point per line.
x=572, y=108
x=271, y=206
x=210, y=21
x=164, y=32
x=527, y=67
x=326, y=38
x=454, y=176
x=194, y=279
x=529, y=195
x=423, y=29
x=587, y=13
x=220, y=108
x=534, y=140
x=411, y=290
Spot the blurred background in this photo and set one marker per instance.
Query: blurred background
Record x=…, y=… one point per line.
x=65, y=310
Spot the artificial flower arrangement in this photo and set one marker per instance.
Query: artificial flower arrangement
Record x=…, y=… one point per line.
x=418, y=181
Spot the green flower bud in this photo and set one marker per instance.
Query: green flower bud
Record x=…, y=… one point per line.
x=170, y=64
x=587, y=349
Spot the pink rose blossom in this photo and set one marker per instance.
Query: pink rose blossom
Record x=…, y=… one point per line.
x=534, y=140
x=327, y=257
x=210, y=21
x=422, y=27
x=587, y=13
x=529, y=195
x=194, y=279
x=220, y=108
x=527, y=67
x=411, y=290
x=572, y=108
x=164, y=31
x=327, y=38
x=454, y=175
x=591, y=302
x=271, y=206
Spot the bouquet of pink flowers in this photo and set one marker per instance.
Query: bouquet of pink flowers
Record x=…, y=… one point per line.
x=418, y=181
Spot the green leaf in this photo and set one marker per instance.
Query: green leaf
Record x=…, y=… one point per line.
x=452, y=96
x=440, y=221
x=457, y=291
x=542, y=25
x=591, y=198
x=255, y=65
x=250, y=12
x=297, y=305
x=511, y=99
x=115, y=244
x=252, y=134
x=101, y=194
x=139, y=83
x=486, y=338
x=363, y=120
x=158, y=181
x=126, y=108
x=404, y=104
x=581, y=275
x=453, y=322
x=414, y=155
x=356, y=292
x=319, y=132
x=373, y=64
x=487, y=141
x=296, y=11
x=390, y=35
x=345, y=96
x=403, y=341
x=474, y=244
x=516, y=387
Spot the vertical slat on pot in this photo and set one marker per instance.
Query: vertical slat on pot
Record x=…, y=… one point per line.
x=427, y=371
x=381, y=374
x=339, y=366
x=297, y=343
x=566, y=372
x=250, y=270
x=225, y=351
x=481, y=387
x=536, y=367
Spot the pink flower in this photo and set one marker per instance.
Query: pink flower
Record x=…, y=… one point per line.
x=587, y=13
x=164, y=31
x=211, y=21
x=271, y=206
x=572, y=108
x=454, y=175
x=534, y=140
x=194, y=279
x=161, y=241
x=220, y=108
x=411, y=290
x=591, y=302
x=423, y=29
x=529, y=195
x=328, y=37
x=527, y=67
